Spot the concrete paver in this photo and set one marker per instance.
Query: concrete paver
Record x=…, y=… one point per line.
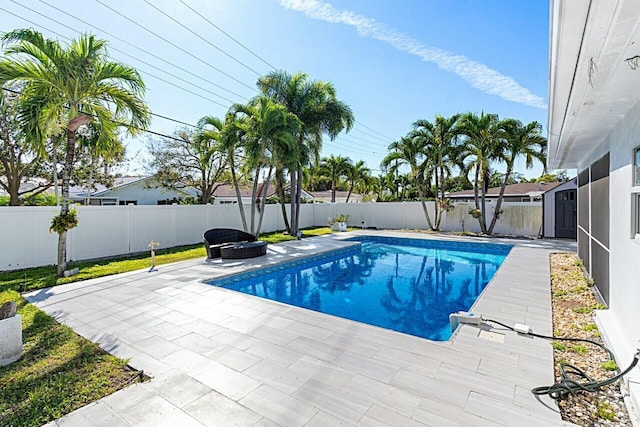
x=217, y=357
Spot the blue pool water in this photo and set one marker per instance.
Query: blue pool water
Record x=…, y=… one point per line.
x=408, y=285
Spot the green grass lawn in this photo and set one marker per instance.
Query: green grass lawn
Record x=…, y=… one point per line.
x=44, y=277
x=59, y=372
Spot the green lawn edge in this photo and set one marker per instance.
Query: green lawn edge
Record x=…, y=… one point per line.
x=45, y=277
x=58, y=373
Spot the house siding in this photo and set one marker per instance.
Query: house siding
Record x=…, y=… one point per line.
x=142, y=193
x=611, y=254
x=593, y=223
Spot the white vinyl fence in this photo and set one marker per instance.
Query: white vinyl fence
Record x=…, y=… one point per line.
x=117, y=230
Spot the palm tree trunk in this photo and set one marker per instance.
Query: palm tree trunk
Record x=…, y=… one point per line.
x=476, y=196
x=424, y=206
x=206, y=189
x=483, y=199
x=350, y=191
x=265, y=188
x=436, y=204
x=254, y=199
x=293, y=190
x=90, y=184
x=298, y=198
x=280, y=192
x=54, y=160
x=334, y=187
x=496, y=211
x=64, y=207
x=238, y=195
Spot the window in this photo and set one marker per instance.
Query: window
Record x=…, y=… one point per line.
x=635, y=215
x=636, y=167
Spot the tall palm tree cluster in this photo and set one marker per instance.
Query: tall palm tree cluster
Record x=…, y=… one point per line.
x=468, y=143
x=73, y=102
x=72, y=97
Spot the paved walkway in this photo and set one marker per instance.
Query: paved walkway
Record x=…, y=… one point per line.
x=218, y=357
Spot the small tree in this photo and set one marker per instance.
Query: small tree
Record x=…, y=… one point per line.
x=18, y=159
x=191, y=158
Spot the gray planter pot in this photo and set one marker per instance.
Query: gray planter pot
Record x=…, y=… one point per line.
x=10, y=340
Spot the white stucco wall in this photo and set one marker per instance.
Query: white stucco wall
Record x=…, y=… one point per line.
x=139, y=192
x=549, y=215
x=620, y=323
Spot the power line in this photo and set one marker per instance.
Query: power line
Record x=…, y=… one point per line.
x=201, y=38
x=121, y=123
x=175, y=45
x=181, y=68
x=133, y=46
x=146, y=72
x=227, y=34
x=381, y=136
x=374, y=131
x=379, y=144
x=387, y=141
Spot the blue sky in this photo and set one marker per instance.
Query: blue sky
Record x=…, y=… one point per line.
x=393, y=62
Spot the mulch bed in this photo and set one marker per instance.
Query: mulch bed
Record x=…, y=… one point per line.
x=574, y=302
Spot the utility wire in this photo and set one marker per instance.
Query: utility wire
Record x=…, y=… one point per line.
x=144, y=71
x=176, y=46
x=126, y=124
x=385, y=140
x=176, y=66
x=374, y=131
x=368, y=141
x=201, y=38
x=135, y=47
x=227, y=34
x=381, y=136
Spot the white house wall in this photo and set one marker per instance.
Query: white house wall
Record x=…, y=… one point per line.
x=143, y=195
x=620, y=321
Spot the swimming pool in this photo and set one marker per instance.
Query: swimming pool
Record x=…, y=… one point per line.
x=408, y=285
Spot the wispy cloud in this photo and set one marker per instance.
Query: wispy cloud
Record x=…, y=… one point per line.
x=476, y=74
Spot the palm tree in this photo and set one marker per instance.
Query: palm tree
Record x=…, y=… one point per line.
x=66, y=87
x=357, y=175
x=522, y=140
x=231, y=138
x=484, y=142
x=206, y=156
x=320, y=112
x=411, y=152
x=441, y=138
x=335, y=168
x=270, y=130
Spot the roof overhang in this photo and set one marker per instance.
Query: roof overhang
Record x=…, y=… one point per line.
x=592, y=85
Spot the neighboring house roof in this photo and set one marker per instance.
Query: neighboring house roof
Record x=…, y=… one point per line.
x=522, y=189
x=27, y=184
x=341, y=196
x=100, y=190
x=228, y=190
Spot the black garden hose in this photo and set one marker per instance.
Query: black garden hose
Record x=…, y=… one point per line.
x=574, y=379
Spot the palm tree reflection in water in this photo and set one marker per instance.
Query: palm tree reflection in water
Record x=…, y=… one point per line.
x=431, y=296
x=410, y=289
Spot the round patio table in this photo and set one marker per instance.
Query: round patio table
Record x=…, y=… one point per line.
x=243, y=250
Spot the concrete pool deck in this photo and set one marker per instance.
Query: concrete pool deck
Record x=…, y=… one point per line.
x=218, y=357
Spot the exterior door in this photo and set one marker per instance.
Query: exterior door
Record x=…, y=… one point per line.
x=566, y=209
